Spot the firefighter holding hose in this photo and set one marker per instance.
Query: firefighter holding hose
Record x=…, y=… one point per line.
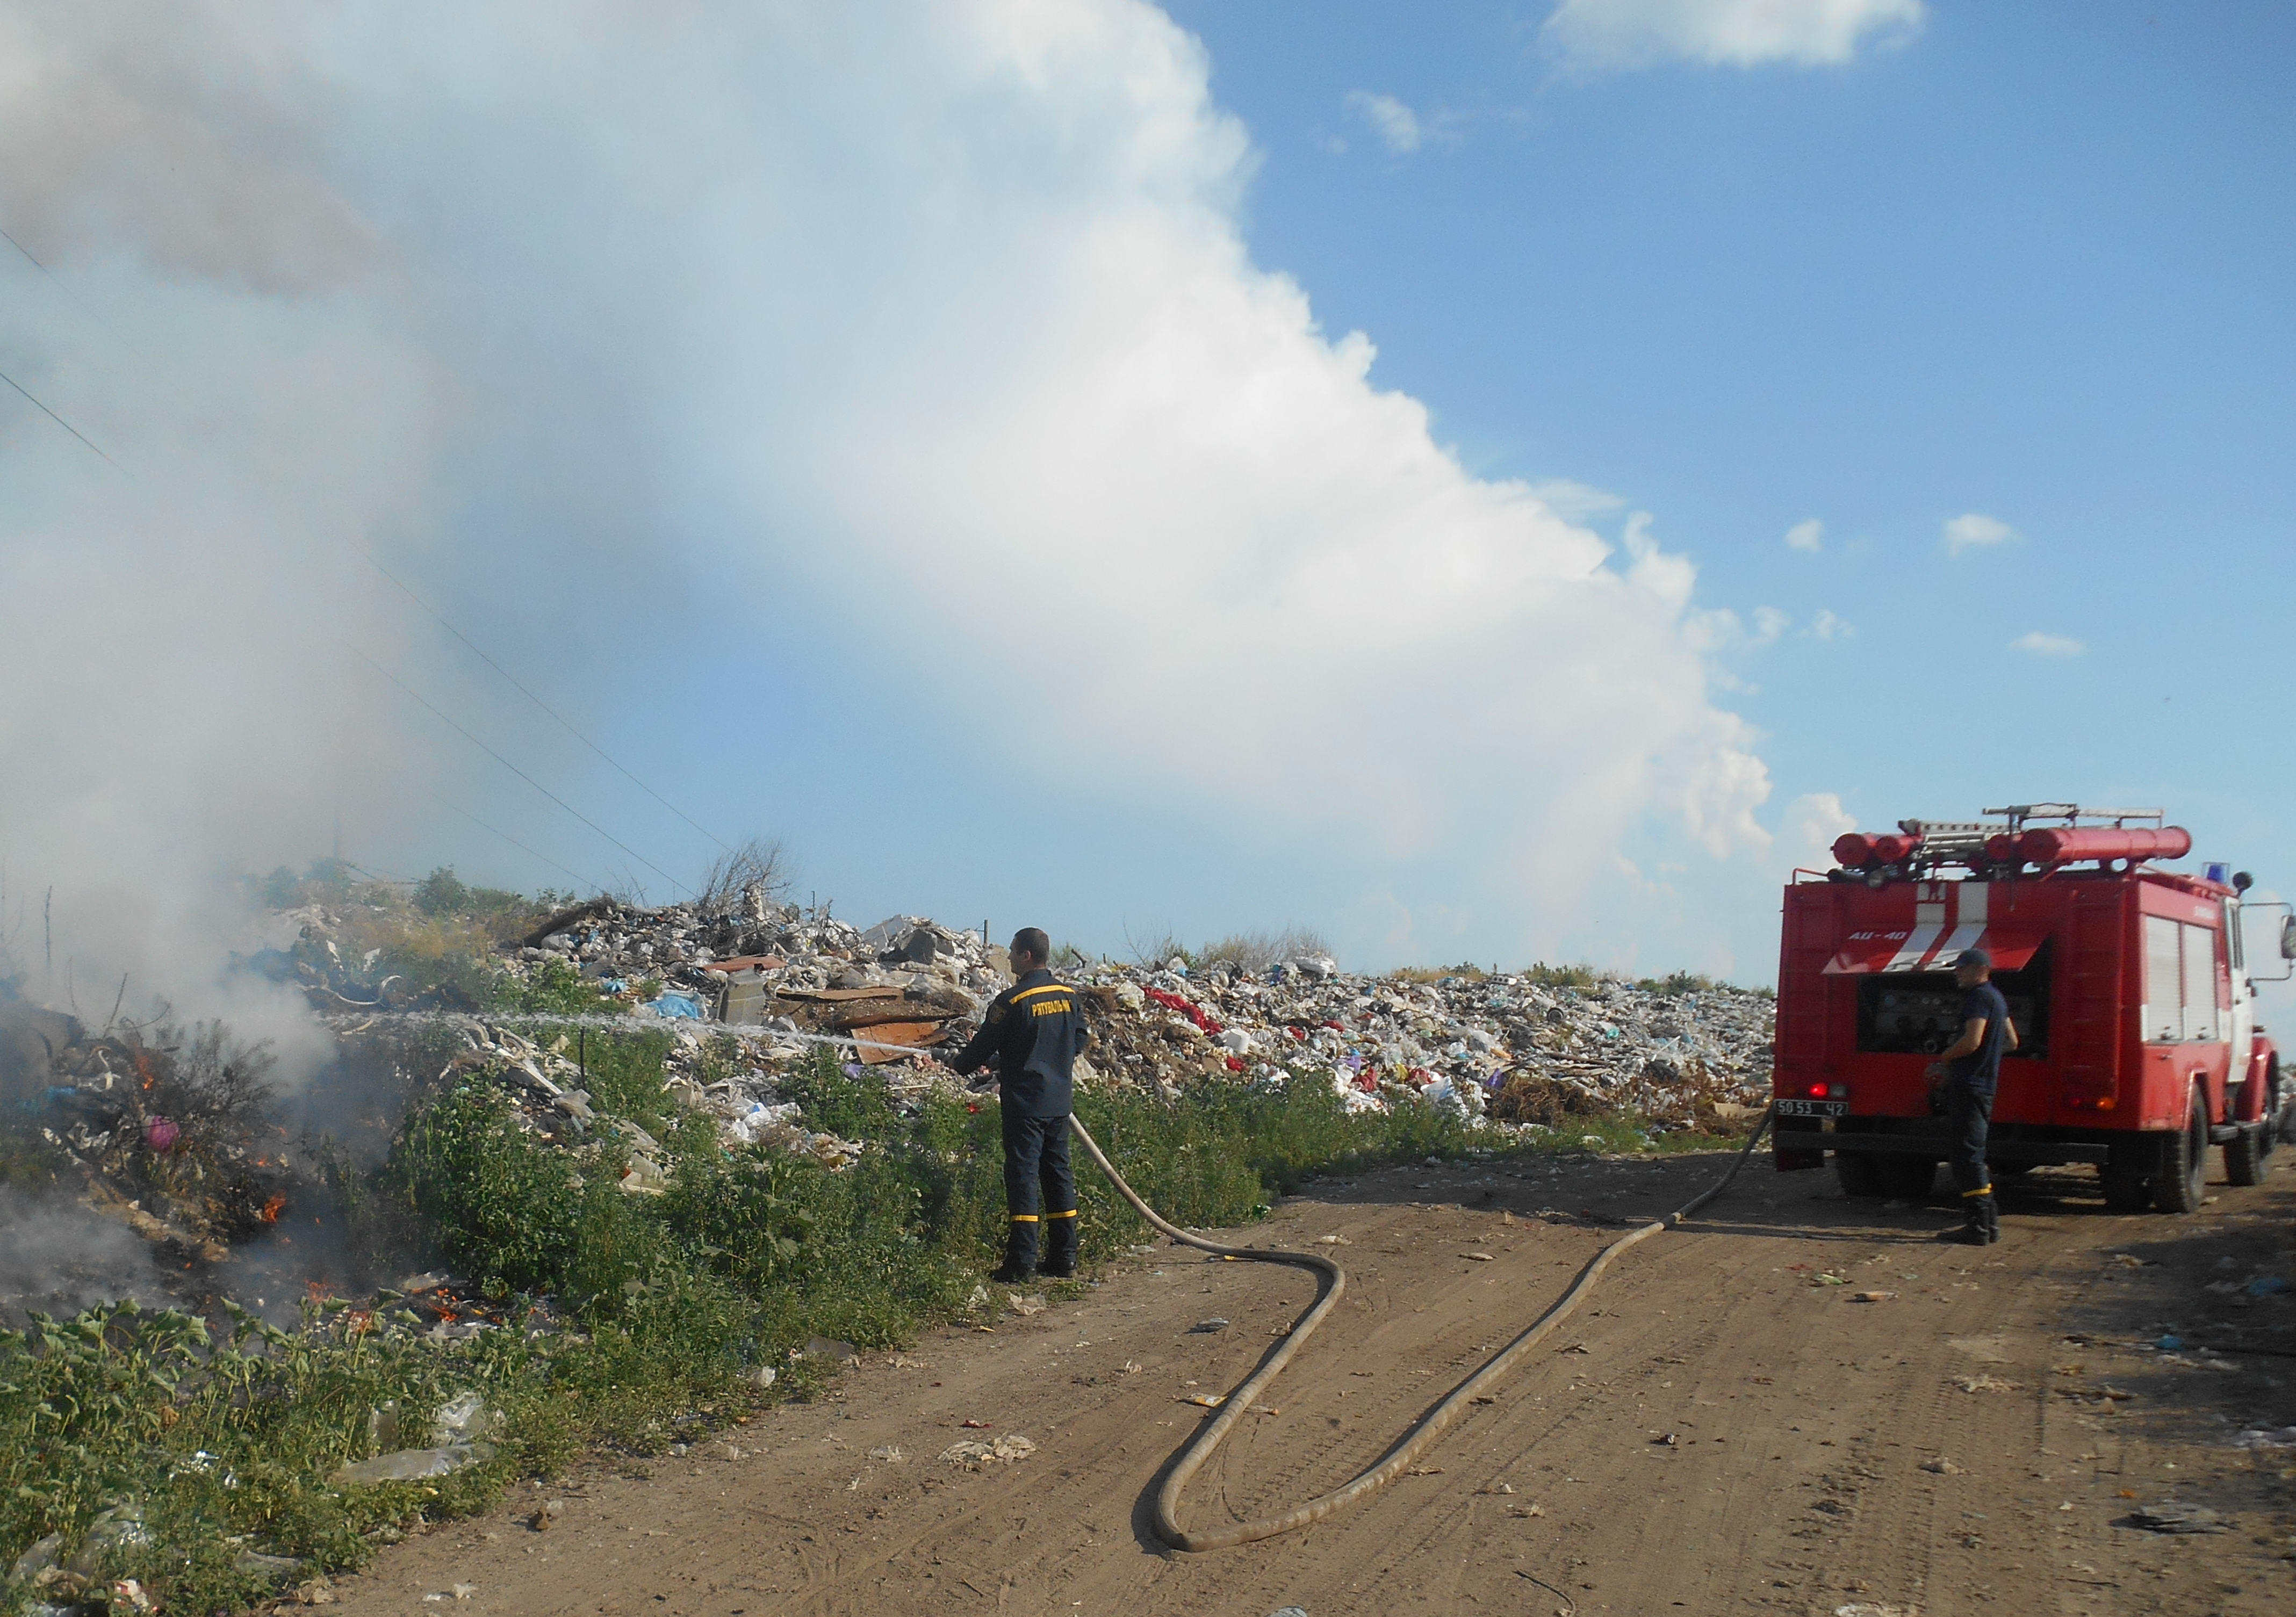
x=1033, y=1032
x=1968, y=1072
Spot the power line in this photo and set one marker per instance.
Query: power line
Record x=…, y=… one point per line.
x=60, y=420
x=546, y=706
x=27, y=251
x=529, y=780
x=520, y=846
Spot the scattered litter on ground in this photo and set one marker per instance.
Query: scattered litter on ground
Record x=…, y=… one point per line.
x=978, y=1456
x=2173, y=1518
x=1205, y=1328
x=2263, y=1438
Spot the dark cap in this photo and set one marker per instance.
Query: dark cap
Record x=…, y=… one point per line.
x=1976, y=958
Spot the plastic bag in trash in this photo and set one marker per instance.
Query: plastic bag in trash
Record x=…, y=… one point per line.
x=458, y=1434
x=677, y=1007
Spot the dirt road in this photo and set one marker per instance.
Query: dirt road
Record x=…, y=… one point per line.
x=1725, y=1428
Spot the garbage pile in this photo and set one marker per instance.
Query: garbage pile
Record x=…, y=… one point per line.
x=729, y=967
x=546, y=1084
x=162, y=1128
x=1506, y=1049
x=1519, y=1050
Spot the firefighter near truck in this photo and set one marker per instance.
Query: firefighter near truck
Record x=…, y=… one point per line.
x=2132, y=989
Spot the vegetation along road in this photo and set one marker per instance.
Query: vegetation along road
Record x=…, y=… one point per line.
x=1800, y=1404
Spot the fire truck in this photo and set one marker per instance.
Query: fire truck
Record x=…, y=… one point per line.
x=2131, y=988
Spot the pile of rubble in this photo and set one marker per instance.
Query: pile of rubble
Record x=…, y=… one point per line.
x=1522, y=1049
x=1507, y=1049
x=162, y=1128
x=547, y=1083
x=749, y=994
x=762, y=948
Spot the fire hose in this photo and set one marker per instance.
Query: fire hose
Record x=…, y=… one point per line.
x=1424, y=1432
x=1421, y=1434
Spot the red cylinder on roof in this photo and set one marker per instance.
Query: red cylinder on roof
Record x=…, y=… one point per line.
x=1891, y=846
x=2064, y=845
x=1852, y=849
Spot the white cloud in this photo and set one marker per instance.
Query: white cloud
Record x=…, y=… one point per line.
x=951, y=316
x=1807, y=828
x=2048, y=645
x=1808, y=535
x=1578, y=501
x=1769, y=623
x=1974, y=530
x=1827, y=625
x=1395, y=124
x=1728, y=33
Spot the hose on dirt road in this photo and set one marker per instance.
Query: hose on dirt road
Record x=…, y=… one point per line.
x=1424, y=1432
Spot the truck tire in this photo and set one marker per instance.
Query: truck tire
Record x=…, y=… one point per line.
x=2244, y=1153
x=1907, y=1179
x=2183, y=1164
x=1858, y=1173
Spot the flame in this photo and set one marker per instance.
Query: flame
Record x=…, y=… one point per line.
x=271, y=1209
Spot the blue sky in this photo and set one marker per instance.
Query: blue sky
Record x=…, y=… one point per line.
x=2031, y=263
x=943, y=442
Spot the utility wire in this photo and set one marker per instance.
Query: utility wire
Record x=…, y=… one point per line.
x=546, y=706
x=520, y=846
x=27, y=251
x=60, y=420
x=529, y=780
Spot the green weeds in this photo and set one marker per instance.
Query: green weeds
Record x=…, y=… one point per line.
x=177, y=1451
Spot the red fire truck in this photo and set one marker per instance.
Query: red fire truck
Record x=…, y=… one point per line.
x=2131, y=990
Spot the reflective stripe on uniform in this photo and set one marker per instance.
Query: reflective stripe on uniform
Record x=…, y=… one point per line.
x=1024, y=1218
x=1040, y=988
x=1070, y=1214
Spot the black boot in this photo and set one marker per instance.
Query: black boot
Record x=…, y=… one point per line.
x=1061, y=1239
x=1972, y=1230
x=1992, y=1211
x=1019, y=1254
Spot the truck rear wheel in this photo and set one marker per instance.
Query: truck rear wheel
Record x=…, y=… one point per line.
x=2183, y=1164
x=2244, y=1153
x=1907, y=1179
x=1858, y=1172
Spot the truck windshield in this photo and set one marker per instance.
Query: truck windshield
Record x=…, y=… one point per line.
x=1919, y=1013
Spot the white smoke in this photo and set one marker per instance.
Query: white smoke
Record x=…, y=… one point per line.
x=943, y=307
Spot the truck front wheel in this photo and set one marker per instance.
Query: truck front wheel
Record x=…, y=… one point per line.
x=2183, y=1164
x=1858, y=1172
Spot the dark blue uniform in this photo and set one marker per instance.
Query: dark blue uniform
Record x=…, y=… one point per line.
x=1033, y=1031
x=1970, y=1088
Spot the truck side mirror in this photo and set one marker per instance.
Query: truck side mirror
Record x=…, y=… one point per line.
x=2242, y=881
x=2254, y=918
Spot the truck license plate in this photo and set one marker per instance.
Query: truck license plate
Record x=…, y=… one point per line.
x=1813, y=1108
